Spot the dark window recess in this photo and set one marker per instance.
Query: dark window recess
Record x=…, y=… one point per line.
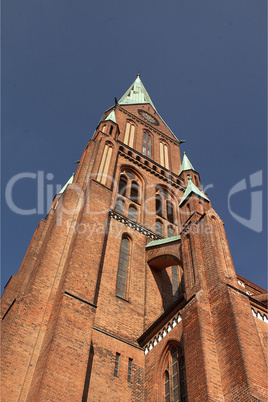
x=159, y=227
x=167, y=392
x=158, y=205
x=183, y=380
x=122, y=269
x=134, y=192
x=170, y=231
x=138, y=158
x=122, y=185
x=175, y=374
x=119, y=206
x=116, y=364
x=129, y=153
x=170, y=215
x=129, y=373
x=132, y=213
x=175, y=281
x=111, y=130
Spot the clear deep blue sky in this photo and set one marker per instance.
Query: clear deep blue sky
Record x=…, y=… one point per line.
x=204, y=66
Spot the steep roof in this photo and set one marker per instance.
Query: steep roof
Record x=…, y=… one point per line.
x=111, y=116
x=136, y=94
x=191, y=188
x=186, y=164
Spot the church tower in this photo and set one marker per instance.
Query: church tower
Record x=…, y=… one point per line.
x=127, y=291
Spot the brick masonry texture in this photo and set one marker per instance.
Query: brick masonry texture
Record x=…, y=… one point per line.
x=63, y=323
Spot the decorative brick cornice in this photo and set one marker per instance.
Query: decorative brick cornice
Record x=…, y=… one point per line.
x=151, y=166
x=162, y=333
x=133, y=225
x=257, y=314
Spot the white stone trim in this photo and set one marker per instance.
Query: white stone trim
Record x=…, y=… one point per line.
x=260, y=316
x=165, y=330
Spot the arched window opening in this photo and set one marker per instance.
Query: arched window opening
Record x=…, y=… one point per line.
x=171, y=231
x=174, y=377
x=122, y=185
x=158, y=205
x=119, y=206
x=134, y=191
x=104, y=128
x=175, y=374
x=147, y=144
x=129, y=134
x=111, y=130
x=132, y=213
x=164, y=160
x=170, y=216
x=167, y=389
x=175, y=281
x=104, y=164
x=121, y=285
x=159, y=227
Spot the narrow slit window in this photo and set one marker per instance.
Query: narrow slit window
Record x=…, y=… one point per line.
x=129, y=134
x=123, y=269
x=129, y=373
x=167, y=391
x=104, y=165
x=122, y=185
x=164, y=160
x=134, y=192
x=158, y=205
x=147, y=144
x=170, y=214
x=116, y=365
x=175, y=281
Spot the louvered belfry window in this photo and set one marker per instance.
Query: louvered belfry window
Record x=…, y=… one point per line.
x=121, y=285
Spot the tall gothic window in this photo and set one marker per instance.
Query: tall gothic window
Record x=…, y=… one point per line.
x=174, y=387
x=105, y=163
x=165, y=208
x=147, y=144
x=123, y=264
x=120, y=205
x=129, y=134
x=159, y=227
x=164, y=161
x=129, y=186
x=132, y=213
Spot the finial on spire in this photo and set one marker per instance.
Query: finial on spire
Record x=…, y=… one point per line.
x=139, y=74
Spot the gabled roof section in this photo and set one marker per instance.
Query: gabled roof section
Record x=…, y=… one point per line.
x=186, y=164
x=68, y=182
x=111, y=116
x=136, y=94
x=191, y=188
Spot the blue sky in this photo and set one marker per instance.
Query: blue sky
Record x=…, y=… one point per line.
x=204, y=66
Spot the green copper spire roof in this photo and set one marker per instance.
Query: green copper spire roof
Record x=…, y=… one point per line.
x=191, y=188
x=186, y=164
x=68, y=182
x=136, y=94
x=111, y=117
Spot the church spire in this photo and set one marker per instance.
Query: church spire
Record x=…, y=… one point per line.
x=136, y=94
x=186, y=164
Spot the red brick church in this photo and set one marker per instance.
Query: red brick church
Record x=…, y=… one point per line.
x=127, y=291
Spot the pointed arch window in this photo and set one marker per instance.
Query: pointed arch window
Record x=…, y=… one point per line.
x=123, y=264
x=147, y=144
x=158, y=205
x=174, y=377
x=170, y=214
x=104, y=164
x=134, y=191
x=129, y=134
x=164, y=160
x=122, y=185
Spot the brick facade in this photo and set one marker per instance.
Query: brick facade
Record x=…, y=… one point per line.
x=186, y=318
